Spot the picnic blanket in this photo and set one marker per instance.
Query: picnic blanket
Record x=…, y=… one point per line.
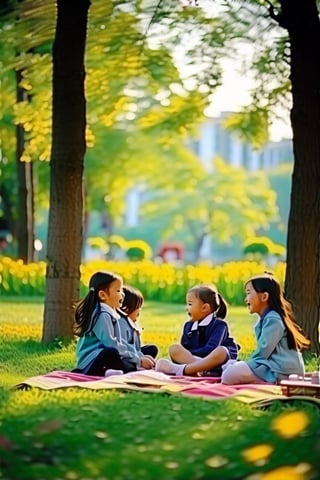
x=157, y=382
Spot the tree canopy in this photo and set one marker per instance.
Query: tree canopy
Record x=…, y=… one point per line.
x=141, y=89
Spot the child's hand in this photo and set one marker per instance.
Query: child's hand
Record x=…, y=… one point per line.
x=147, y=362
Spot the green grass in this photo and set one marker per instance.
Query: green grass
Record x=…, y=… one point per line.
x=79, y=434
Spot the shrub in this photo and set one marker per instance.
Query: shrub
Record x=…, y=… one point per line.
x=138, y=250
x=259, y=247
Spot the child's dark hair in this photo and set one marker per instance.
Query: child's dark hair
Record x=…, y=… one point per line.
x=84, y=319
x=133, y=299
x=209, y=294
x=268, y=283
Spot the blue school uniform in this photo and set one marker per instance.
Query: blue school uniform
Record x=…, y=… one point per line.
x=105, y=334
x=131, y=334
x=200, y=338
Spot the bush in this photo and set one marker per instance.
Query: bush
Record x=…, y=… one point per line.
x=138, y=250
x=263, y=247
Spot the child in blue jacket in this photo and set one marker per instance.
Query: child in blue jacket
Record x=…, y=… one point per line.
x=206, y=343
x=130, y=331
x=100, y=346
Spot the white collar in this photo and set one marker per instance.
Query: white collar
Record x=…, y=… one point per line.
x=203, y=323
x=110, y=310
x=133, y=325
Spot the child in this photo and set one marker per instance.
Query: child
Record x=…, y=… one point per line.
x=279, y=338
x=100, y=346
x=206, y=343
x=130, y=311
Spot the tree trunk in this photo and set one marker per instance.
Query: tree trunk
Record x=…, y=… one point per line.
x=25, y=230
x=65, y=227
x=302, y=284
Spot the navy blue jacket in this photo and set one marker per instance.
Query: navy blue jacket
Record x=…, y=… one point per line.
x=204, y=339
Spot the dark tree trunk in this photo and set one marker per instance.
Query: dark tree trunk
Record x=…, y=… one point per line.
x=65, y=228
x=302, y=285
x=8, y=220
x=25, y=224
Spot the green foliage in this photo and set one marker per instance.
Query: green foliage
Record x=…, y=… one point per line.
x=136, y=99
x=207, y=203
x=256, y=247
x=140, y=107
x=266, y=62
x=251, y=125
x=138, y=250
x=262, y=246
x=280, y=181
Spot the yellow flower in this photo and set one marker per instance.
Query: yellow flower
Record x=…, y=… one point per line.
x=290, y=424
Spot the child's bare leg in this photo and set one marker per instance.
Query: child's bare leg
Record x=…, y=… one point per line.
x=179, y=354
x=217, y=357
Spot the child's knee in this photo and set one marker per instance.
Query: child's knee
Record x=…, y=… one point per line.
x=174, y=349
x=231, y=373
x=227, y=376
x=221, y=354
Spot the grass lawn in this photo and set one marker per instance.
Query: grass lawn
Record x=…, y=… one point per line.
x=80, y=434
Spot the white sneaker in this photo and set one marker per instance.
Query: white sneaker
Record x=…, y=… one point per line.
x=165, y=366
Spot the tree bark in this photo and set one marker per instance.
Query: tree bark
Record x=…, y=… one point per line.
x=25, y=227
x=302, y=284
x=65, y=227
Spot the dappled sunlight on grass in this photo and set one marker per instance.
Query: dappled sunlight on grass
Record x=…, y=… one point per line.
x=20, y=331
x=162, y=339
x=217, y=461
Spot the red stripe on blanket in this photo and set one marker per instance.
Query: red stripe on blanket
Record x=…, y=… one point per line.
x=145, y=380
x=150, y=381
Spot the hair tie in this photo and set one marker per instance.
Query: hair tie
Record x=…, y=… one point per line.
x=91, y=289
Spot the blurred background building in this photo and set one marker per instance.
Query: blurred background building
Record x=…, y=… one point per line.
x=215, y=140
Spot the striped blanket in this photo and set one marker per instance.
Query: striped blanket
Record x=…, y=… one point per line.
x=152, y=381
